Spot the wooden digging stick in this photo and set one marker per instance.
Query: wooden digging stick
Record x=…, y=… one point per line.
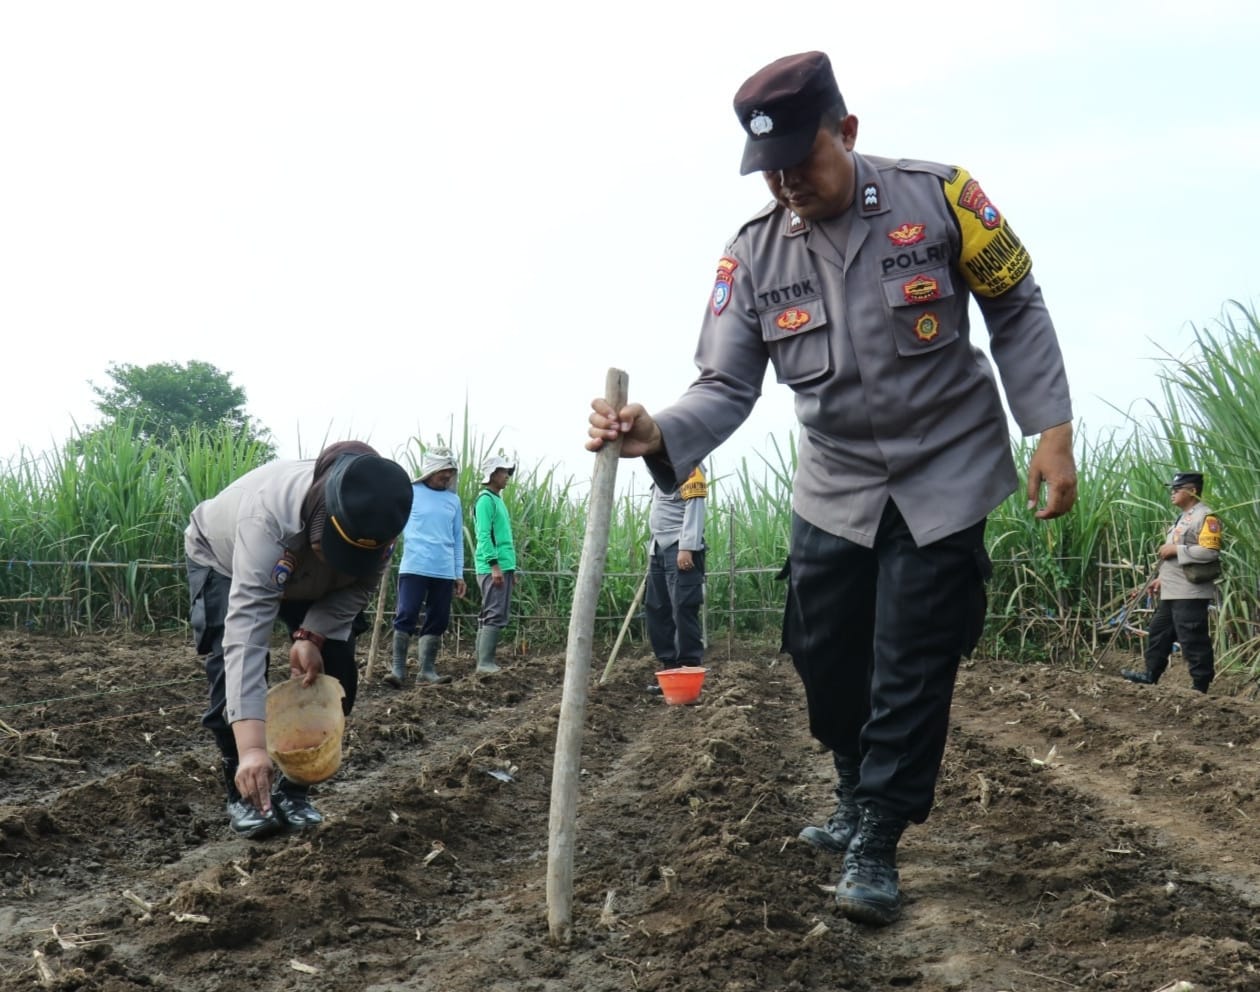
x=577, y=664
x=625, y=625
x=376, y=624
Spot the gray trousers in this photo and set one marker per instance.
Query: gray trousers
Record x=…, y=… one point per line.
x=496, y=601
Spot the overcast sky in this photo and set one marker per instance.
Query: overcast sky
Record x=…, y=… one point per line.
x=377, y=215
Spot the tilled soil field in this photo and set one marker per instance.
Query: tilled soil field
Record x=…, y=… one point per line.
x=1088, y=834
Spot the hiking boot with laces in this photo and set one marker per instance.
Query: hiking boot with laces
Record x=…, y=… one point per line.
x=868, y=890
x=834, y=835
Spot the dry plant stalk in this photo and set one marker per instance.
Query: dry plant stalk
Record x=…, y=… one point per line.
x=145, y=907
x=305, y=969
x=607, y=917
x=984, y=791
x=753, y=808
x=46, y=975
x=438, y=848
x=668, y=875
x=189, y=918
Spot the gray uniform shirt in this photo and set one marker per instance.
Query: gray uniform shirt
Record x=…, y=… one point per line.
x=253, y=532
x=675, y=520
x=1197, y=523
x=866, y=319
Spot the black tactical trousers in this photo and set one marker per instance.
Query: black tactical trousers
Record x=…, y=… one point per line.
x=208, y=591
x=876, y=635
x=672, y=608
x=1186, y=622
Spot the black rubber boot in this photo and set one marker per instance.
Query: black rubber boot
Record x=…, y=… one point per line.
x=398, y=670
x=291, y=803
x=243, y=817
x=834, y=835
x=867, y=891
x=1142, y=678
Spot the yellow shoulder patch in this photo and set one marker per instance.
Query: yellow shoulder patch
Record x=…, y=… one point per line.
x=695, y=487
x=1210, y=533
x=993, y=259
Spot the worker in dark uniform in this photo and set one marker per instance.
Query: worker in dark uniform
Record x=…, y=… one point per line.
x=1189, y=563
x=854, y=284
x=675, y=579
x=304, y=542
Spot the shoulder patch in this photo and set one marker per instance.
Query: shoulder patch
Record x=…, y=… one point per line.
x=283, y=570
x=992, y=259
x=723, y=286
x=1210, y=533
x=695, y=487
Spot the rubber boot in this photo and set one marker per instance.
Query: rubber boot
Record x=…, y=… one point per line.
x=427, y=649
x=292, y=804
x=834, y=835
x=487, y=641
x=243, y=816
x=867, y=891
x=1141, y=678
x=398, y=672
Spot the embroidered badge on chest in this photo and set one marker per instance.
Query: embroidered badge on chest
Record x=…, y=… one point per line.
x=927, y=327
x=283, y=571
x=921, y=289
x=724, y=284
x=793, y=319
x=908, y=234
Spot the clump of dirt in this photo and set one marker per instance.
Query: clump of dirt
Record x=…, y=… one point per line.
x=1088, y=833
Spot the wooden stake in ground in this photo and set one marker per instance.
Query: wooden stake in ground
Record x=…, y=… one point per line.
x=376, y=624
x=625, y=625
x=577, y=664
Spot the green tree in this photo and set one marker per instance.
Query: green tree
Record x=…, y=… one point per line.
x=168, y=400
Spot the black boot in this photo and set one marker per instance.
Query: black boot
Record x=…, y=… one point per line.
x=292, y=804
x=867, y=891
x=1142, y=678
x=834, y=835
x=243, y=817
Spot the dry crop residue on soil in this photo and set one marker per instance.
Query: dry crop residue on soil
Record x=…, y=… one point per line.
x=1088, y=834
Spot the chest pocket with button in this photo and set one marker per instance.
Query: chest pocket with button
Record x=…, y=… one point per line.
x=796, y=338
x=923, y=309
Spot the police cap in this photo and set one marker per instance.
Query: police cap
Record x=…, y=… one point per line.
x=780, y=107
x=1187, y=479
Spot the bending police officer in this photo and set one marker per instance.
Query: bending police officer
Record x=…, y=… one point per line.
x=304, y=542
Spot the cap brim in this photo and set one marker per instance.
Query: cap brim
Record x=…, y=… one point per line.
x=780, y=152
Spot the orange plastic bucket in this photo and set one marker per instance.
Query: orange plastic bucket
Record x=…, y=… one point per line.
x=680, y=686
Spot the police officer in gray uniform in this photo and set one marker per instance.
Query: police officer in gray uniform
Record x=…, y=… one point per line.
x=1189, y=562
x=854, y=284
x=303, y=542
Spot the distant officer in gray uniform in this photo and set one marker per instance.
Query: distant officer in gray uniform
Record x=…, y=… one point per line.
x=1189, y=563
x=854, y=284
x=303, y=542
x=675, y=589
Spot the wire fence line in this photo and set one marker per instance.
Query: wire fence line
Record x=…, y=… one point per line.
x=741, y=598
